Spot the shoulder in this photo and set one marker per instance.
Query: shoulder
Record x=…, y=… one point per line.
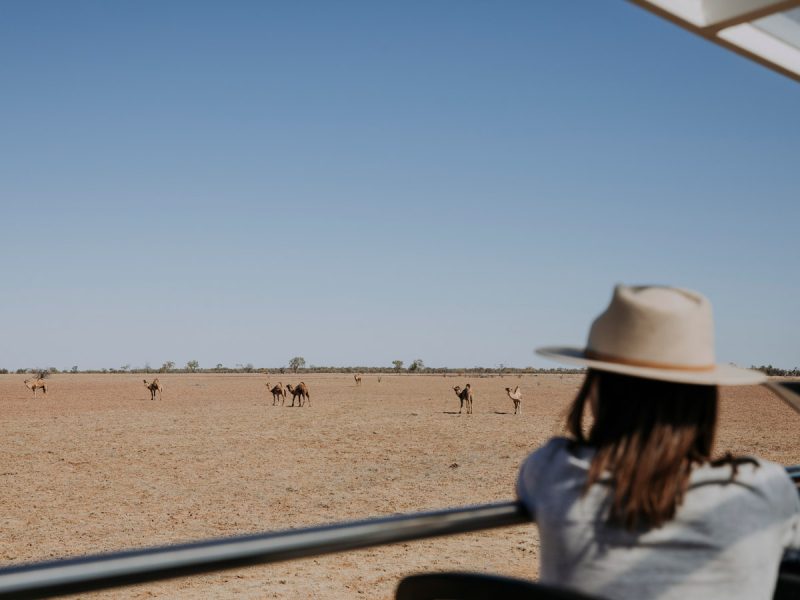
x=762, y=478
x=545, y=454
x=539, y=465
x=778, y=487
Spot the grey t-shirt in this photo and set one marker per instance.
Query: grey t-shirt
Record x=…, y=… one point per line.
x=726, y=540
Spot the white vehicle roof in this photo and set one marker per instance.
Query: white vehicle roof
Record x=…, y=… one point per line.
x=766, y=31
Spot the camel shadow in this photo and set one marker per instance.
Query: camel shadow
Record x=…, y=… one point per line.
x=500, y=412
x=451, y=412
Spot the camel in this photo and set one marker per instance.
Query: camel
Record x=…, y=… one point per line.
x=34, y=384
x=465, y=397
x=516, y=396
x=301, y=390
x=357, y=377
x=277, y=393
x=154, y=386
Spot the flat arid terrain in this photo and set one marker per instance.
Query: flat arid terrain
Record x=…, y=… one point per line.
x=97, y=466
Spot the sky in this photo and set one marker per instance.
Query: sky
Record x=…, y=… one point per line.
x=360, y=182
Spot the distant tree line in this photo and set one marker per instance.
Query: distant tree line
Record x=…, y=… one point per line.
x=770, y=370
x=297, y=365
x=192, y=367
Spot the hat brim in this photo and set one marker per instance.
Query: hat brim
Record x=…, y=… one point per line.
x=719, y=375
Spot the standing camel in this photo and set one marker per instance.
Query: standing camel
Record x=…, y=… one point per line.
x=516, y=396
x=154, y=386
x=357, y=377
x=34, y=384
x=277, y=393
x=301, y=390
x=465, y=397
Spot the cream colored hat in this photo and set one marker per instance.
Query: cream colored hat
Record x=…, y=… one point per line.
x=656, y=332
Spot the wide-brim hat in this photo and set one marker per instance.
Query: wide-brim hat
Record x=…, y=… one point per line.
x=655, y=332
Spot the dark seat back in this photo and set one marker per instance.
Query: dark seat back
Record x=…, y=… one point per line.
x=475, y=586
x=788, y=587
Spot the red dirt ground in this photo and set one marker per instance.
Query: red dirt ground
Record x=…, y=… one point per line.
x=97, y=466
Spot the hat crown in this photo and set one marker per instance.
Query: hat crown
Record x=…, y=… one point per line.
x=655, y=325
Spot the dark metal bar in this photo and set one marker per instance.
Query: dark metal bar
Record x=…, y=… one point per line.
x=55, y=578
x=102, y=571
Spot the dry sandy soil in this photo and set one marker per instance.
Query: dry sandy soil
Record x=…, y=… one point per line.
x=97, y=466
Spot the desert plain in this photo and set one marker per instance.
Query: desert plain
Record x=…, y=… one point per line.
x=97, y=466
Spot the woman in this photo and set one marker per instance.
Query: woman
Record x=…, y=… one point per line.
x=631, y=505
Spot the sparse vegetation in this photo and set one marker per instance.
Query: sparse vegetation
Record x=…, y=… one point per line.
x=416, y=366
x=298, y=362
x=775, y=371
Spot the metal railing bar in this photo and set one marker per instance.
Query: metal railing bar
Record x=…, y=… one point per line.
x=103, y=571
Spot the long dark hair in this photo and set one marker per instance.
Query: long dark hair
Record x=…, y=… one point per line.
x=647, y=435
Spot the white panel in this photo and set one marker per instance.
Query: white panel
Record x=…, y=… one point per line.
x=764, y=45
x=785, y=26
x=716, y=11
x=703, y=13
x=688, y=10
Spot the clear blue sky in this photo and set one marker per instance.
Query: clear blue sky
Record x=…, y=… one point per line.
x=357, y=182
